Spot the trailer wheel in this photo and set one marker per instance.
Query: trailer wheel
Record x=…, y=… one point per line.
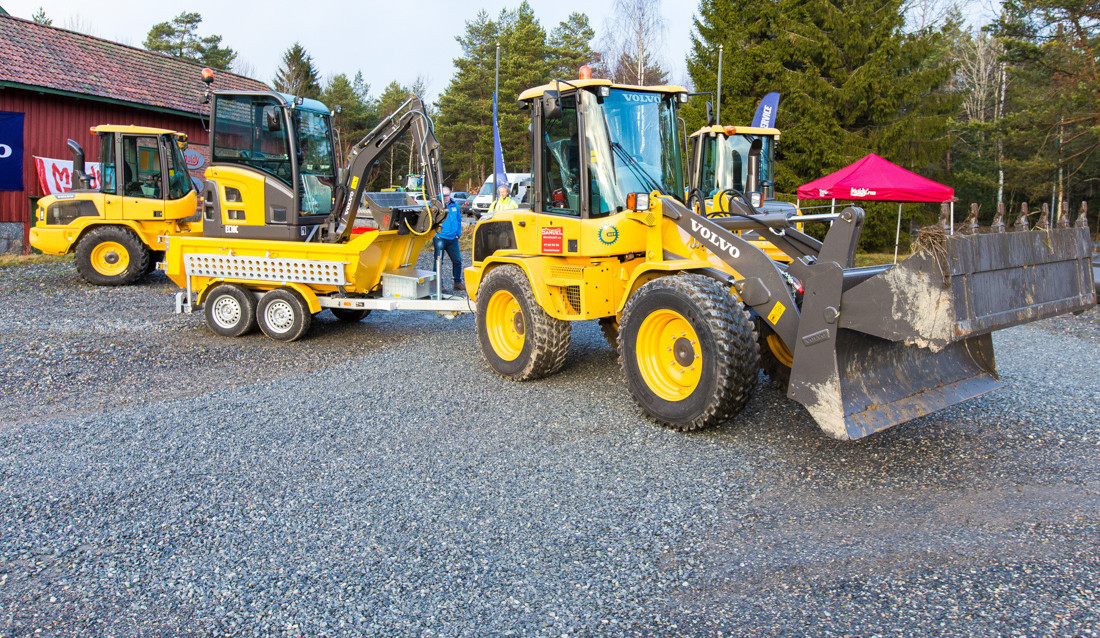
x=518, y=339
x=688, y=352
x=111, y=256
x=230, y=310
x=348, y=315
x=283, y=315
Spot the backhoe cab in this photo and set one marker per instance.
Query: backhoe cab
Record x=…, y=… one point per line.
x=114, y=221
x=272, y=167
x=684, y=298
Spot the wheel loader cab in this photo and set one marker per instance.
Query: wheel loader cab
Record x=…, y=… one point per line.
x=272, y=170
x=154, y=184
x=736, y=162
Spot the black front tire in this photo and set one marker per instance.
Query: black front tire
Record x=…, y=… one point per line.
x=688, y=352
x=230, y=310
x=283, y=315
x=519, y=340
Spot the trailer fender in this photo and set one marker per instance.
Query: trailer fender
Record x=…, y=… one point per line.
x=307, y=294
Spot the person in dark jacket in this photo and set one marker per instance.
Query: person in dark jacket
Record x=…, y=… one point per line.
x=446, y=240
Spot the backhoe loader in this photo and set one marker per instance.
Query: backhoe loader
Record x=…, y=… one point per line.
x=280, y=240
x=116, y=229
x=608, y=236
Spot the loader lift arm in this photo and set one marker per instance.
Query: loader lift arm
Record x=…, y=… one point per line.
x=410, y=117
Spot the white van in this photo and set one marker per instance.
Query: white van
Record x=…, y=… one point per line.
x=520, y=183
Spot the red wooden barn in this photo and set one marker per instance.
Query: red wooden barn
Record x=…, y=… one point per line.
x=56, y=84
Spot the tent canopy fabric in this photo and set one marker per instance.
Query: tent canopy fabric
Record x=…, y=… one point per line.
x=877, y=179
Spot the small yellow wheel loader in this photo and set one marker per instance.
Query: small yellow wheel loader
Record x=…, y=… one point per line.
x=116, y=230
x=280, y=241
x=608, y=237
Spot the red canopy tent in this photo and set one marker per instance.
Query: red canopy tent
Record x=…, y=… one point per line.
x=875, y=178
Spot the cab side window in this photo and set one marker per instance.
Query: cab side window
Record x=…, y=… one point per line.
x=561, y=178
x=141, y=171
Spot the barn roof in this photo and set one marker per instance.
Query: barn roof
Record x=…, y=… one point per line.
x=46, y=58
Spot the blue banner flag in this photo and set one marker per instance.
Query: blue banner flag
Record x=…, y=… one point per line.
x=11, y=151
x=765, y=112
x=500, y=176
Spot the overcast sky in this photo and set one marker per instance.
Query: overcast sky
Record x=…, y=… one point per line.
x=391, y=40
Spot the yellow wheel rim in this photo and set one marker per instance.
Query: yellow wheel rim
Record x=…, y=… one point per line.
x=110, y=258
x=780, y=350
x=669, y=356
x=504, y=325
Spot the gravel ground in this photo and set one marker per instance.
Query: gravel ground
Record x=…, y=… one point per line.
x=377, y=479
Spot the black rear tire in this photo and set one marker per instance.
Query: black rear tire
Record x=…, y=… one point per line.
x=230, y=310
x=111, y=256
x=518, y=339
x=348, y=315
x=283, y=315
x=688, y=352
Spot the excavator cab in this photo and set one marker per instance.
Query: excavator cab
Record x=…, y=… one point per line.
x=273, y=167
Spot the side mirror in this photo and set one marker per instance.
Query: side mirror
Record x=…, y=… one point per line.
x=271, y=119
x=710, y=114
x=551, y=105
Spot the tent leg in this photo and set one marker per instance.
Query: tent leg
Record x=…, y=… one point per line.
x=951, y=231
x=897, y=235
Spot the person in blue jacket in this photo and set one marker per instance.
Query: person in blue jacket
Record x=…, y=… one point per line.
x=446, y=240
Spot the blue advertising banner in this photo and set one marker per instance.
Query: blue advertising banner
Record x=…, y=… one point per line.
x=766, y=110
x=11, y=151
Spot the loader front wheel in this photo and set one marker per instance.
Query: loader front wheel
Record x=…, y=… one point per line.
x=283, y=315
x=111, y=256
x=519, y=340
x=688, y=352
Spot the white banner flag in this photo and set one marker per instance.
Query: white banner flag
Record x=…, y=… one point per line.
x=56, y=176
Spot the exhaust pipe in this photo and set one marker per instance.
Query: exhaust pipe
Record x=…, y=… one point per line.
x=81, y=180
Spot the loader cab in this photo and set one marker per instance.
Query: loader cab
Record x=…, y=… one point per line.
x=596, y=143
x=143, y=173
x=273, y=167
x=734, y=158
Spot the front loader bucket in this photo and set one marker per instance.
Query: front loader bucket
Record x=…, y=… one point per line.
x=870, y=384
x=875, y=351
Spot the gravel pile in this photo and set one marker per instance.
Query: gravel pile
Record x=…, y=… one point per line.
x=378, y=479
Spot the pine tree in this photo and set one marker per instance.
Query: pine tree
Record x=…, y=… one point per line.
x=179, y=38
x=40, y=17
x=297, y=76
x=358, y=113
x=1052, y=121
x=570, y=47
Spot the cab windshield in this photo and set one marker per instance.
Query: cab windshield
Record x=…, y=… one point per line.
x=633, y=147
x=725, y=162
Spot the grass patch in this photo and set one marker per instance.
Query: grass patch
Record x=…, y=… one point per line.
x=877, y=259
x=30, y=260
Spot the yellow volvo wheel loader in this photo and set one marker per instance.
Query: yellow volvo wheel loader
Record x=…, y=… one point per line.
x=608, y=237
x=116, y=229
x=280, y=240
